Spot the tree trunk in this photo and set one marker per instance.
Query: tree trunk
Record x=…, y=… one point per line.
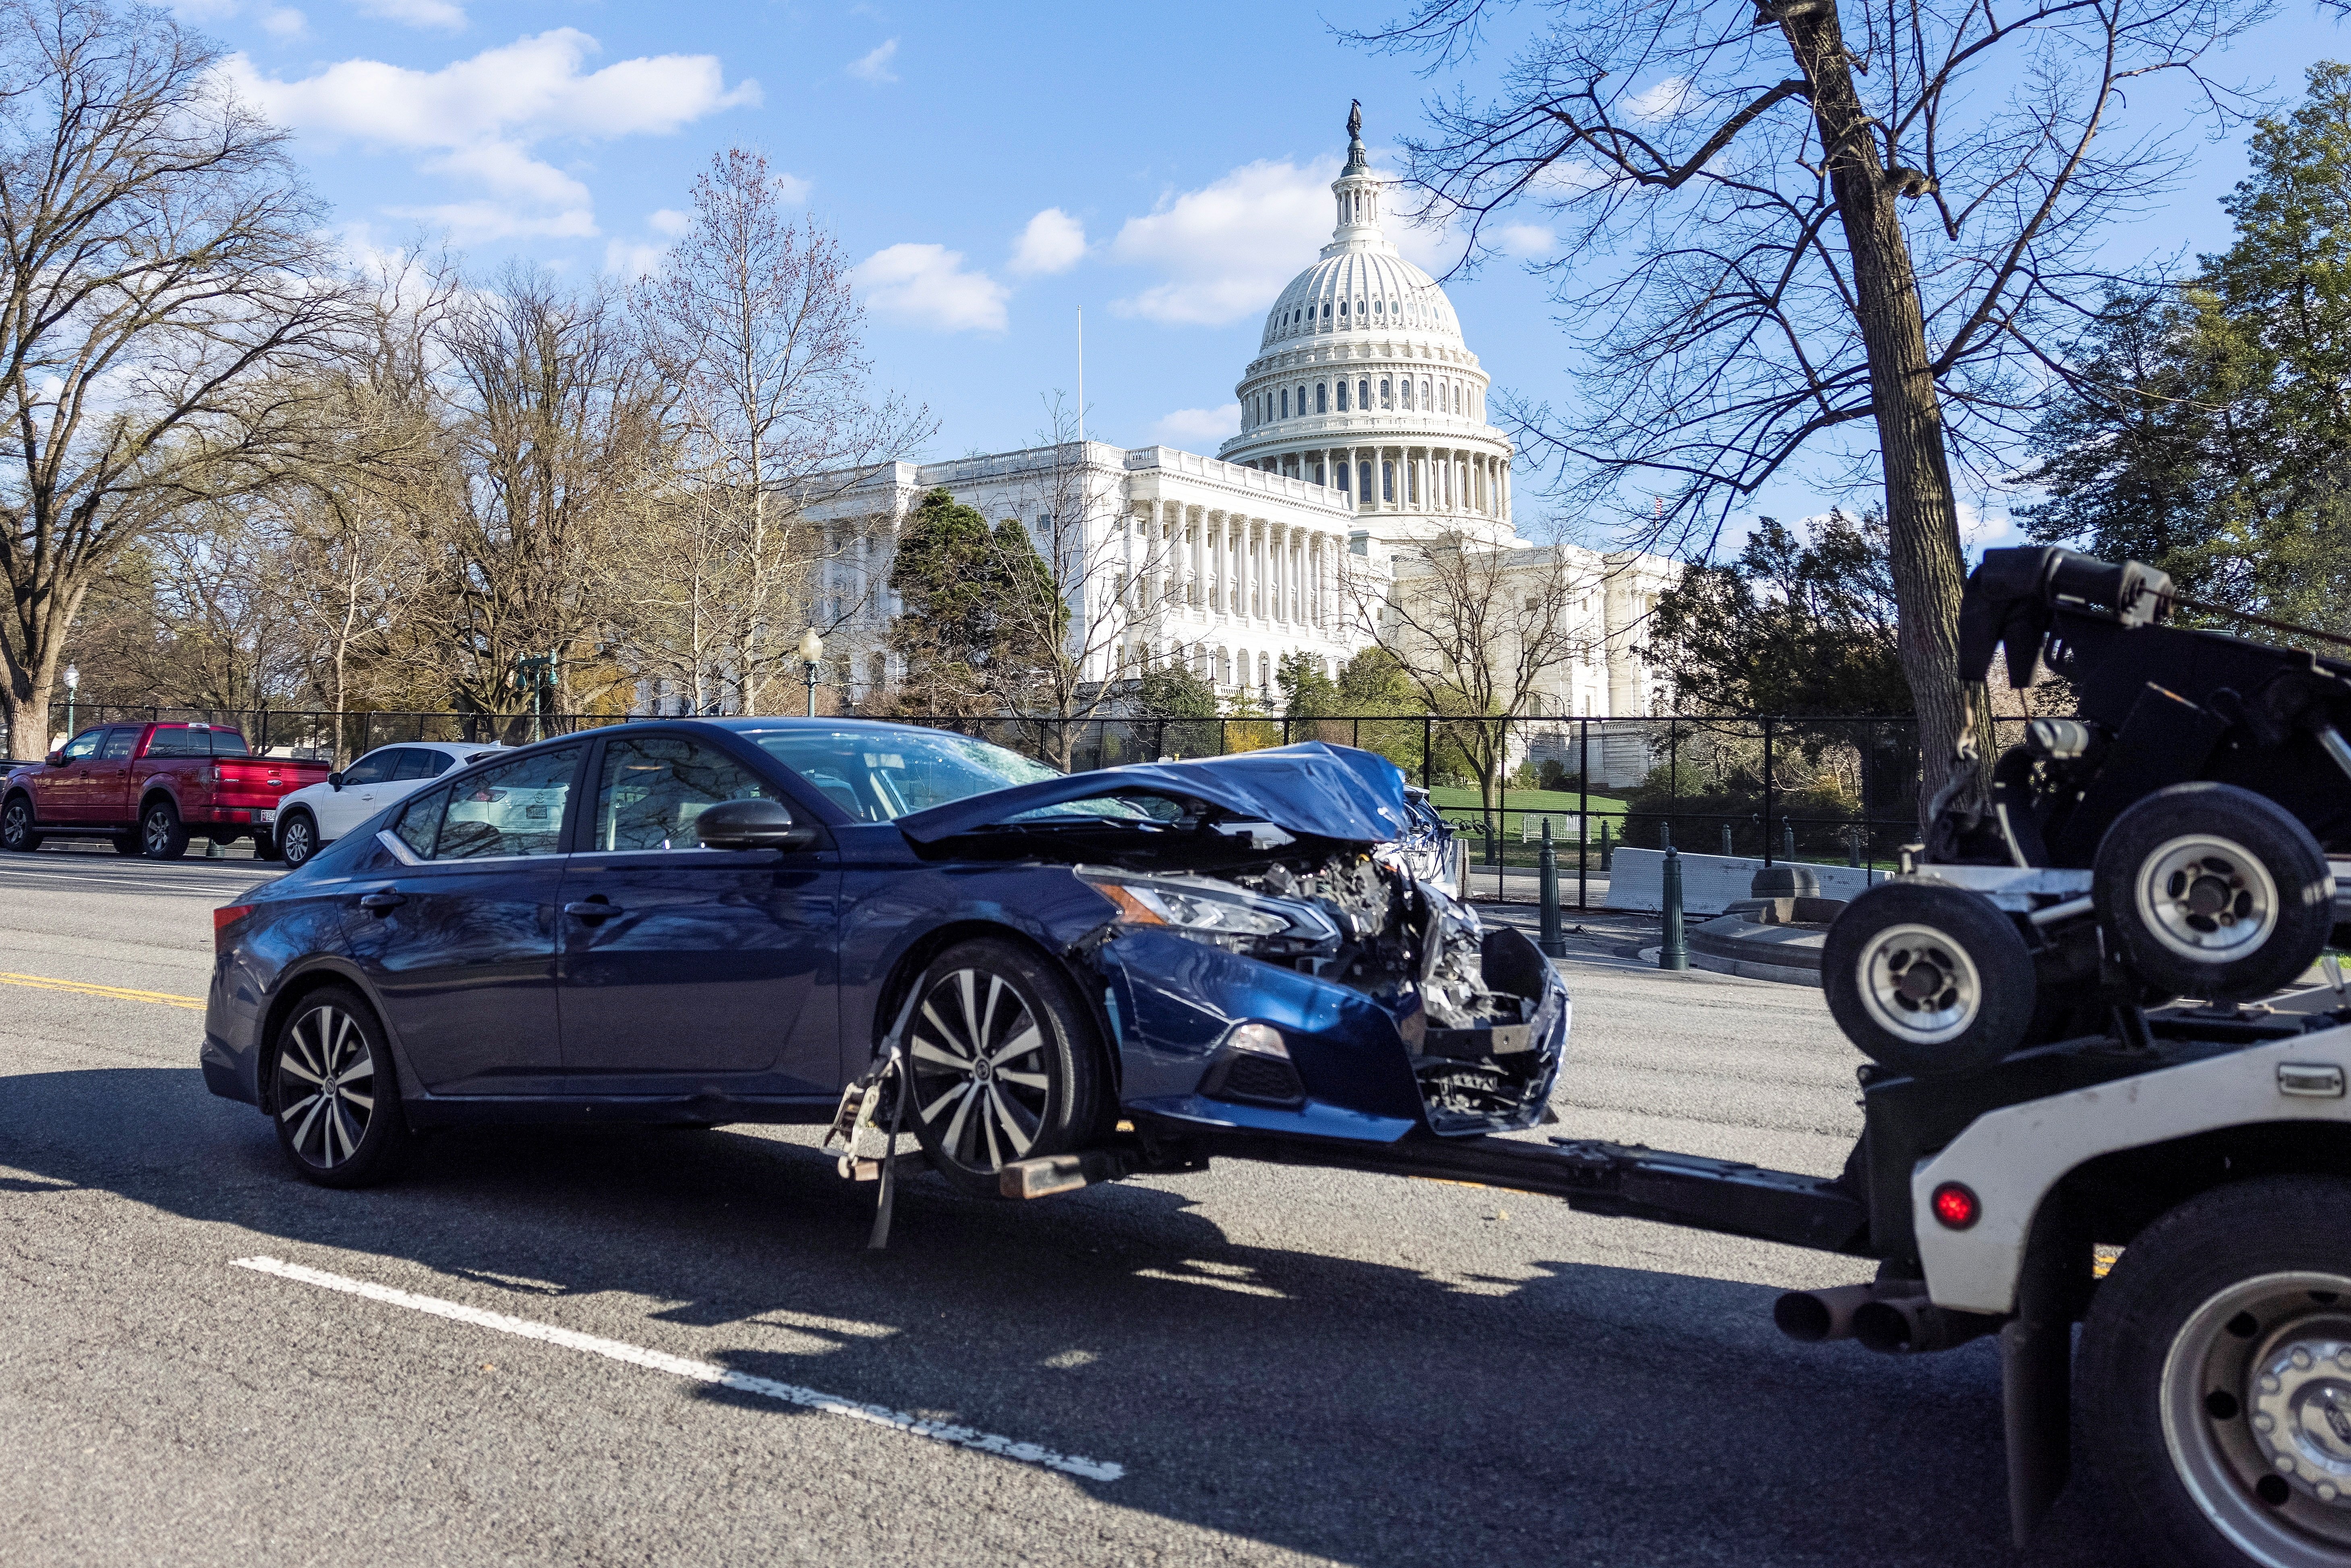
x=1922, y=514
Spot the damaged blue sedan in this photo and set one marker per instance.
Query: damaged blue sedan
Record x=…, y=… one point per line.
x=711, y=921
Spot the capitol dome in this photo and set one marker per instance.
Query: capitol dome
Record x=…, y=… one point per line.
x=1362, y=384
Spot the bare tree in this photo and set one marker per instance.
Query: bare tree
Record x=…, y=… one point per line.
x=1752, y=159
x=753, y=323
x=164, y=272
x=553, y=430
x=1483, y=635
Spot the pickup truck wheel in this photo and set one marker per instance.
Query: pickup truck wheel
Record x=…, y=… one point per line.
x=127, y=845
x=1004, y=1064
x=2215, y=892
x=337, y=1097
x=17, y=826
x=298, y=840
x=1928, y=981
x=161, y=835
x=2216, y=1379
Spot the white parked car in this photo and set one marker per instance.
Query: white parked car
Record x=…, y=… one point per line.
x=314, y=817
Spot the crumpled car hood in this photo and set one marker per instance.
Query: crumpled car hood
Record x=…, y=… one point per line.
x=1333, y=792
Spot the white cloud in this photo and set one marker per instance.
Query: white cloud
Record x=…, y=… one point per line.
x=285, y=22
x=416, y=12
x=669, y=221
x=1661, y=99
x=481, y=120
x=1202, y=428
x=1525, y=239
x=1053, y=242
x=1228, y=247
x=874, y=66
x=926, y=284
x=629, y=260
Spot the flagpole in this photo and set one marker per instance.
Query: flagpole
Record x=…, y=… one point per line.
x=1082, y=375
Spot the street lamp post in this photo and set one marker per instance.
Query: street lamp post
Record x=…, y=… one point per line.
x=811, y=650
x=73, y=684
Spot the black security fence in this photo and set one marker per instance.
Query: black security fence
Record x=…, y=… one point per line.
x=1836, y=791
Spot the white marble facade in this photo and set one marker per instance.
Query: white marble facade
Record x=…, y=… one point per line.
x=1363, y=437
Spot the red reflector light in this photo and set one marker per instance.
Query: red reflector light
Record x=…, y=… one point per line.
x=226, y=915
x=1956, y=1205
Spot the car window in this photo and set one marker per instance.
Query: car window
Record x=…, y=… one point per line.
x=649, y=791
x=119, y=743
x=880, y=775
x=83, y=744
x=420, y=820
x=513, y=809
x=227, y=743
x=375, y=767
x=176, y=740
x=416, y=762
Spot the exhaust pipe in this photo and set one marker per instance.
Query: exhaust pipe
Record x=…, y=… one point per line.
x=1913, y=1325
x=1815, y=1316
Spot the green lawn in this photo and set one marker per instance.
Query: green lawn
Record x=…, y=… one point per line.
x=1458, y=800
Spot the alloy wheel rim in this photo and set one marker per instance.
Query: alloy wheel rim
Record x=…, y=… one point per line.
x=297, y=840
x=978, y=1062
x=159, y=830
x=1918, y=985
x=327, y=1052
x=2207, y=898
x=2256, y=1409
x=18, y=822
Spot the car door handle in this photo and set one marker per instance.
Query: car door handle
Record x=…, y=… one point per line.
x=593, y=910
x=382, y=903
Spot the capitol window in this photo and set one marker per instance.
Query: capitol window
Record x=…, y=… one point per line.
x=1342, y=397
x=1326, y=310
x=1342, y=307
x=1388, y=392
x=1285, y=402
x=1363, y=392
x=1321, y=397
x=1407, y=391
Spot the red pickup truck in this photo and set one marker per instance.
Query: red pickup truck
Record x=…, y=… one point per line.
x=147, y=787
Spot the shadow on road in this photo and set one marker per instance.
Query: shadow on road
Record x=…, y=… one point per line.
x=1354, y=1409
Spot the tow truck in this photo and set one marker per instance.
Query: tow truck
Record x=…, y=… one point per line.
x=2175, y=1178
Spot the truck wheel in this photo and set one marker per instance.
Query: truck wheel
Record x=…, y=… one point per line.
x=2215, y=892
x=2216, y=1379
x=17, y=826
x=161, y=835
x=1005, y=1065
x=1928, y=981
x=298, y=840
x=126, y=843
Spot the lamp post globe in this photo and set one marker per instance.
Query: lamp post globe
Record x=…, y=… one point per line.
x=811, y=650
x=73, y=686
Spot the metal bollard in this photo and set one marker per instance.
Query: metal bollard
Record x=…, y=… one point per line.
x=1553, y=944
x=1673, y=953
x=1852, y=846
x=1726, y=838
x=1607, y=849
x=1788, y=836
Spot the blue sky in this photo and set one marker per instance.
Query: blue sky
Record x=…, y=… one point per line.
x=994, y=168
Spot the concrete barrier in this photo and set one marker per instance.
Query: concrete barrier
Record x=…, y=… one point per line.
x=1712, y=883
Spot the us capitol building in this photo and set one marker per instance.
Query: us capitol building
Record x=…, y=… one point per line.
x=1364, y=441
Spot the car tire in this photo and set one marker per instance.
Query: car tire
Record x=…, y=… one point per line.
x=298, y=840
x=16, y=834
x=1004, y=1064
x=1930, y=982
x=2228, y=1315
x=335, y=1095
x=126, y=843
x=161, y=835
x=2212, y=891
x=264, y=846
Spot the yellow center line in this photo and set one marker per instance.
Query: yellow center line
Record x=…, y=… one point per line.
x=119, y=993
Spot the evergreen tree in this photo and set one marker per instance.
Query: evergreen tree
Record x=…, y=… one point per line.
x=978, y=603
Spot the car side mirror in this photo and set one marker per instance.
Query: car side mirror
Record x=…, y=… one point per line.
x=335, y=782
x=57, y=758
x=753, y=824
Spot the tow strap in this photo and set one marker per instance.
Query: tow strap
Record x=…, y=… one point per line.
x=855, y=1117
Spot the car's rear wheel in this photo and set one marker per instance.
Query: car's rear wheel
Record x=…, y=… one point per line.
x=161, y=835
x=298, y=840
x=2216, y=1379
x=17, y=833
x=337, y=1098
x=1004, y=1064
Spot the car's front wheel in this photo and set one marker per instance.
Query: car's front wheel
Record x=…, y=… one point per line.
x=16, y=834
x=1004, y=1064
x=336, y=1095
x=298, y=840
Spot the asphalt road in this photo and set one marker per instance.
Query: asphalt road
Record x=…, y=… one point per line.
x=1249, y=1364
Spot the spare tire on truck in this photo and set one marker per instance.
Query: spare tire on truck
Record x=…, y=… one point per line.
x=1928, y=981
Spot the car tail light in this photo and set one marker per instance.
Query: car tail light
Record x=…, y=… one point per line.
x=226, y=917
x=1956, y=1205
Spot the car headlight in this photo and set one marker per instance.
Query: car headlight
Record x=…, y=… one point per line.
x=1214, y=912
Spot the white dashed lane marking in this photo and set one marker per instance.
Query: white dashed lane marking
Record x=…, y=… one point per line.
x=698, y=1370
